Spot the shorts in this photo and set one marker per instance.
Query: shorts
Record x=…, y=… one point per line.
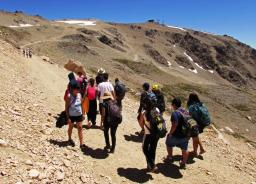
x=201, y=128
x=76, y=119
x=181, y=143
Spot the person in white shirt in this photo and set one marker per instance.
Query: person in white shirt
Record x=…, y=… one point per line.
x=104, y=87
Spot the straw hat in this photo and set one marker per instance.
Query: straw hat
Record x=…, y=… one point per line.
x=107, y=95
x=101, y=71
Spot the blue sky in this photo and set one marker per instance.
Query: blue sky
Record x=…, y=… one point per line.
x=233, y=17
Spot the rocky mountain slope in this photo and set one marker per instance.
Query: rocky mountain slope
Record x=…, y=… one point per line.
x=32, y=150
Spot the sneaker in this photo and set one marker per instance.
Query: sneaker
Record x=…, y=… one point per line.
x=71, y=143
x=155, y=169
x=182, y=165
x=112, y=150
x=107, y=148
x=82, y=147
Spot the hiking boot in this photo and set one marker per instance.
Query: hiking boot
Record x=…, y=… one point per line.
x=71, y=143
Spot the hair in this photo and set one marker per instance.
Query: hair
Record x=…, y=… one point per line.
x=79, y=73
x=146, y=86
x=92, y=81
x=192, y=99
x=105, y=76
x=177, y=102
x=116, y=80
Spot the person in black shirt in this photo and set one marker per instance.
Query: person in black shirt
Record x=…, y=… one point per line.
x=176, y=138
x=146, y=88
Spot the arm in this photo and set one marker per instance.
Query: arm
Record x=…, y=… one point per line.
x=174, y=127
x=141, y=103
x=67, y=104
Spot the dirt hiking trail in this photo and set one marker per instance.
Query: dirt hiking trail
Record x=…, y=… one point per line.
x=31, y=94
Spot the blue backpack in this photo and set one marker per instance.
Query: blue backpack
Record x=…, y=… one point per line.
x=200, y=113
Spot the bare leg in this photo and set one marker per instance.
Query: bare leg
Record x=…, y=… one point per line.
x=70, y=128
x=170, y=152
x=185, y=155
x=202, y=150
x=80, y=132
x=195, y=145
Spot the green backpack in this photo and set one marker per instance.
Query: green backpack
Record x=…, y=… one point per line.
x=200, y=113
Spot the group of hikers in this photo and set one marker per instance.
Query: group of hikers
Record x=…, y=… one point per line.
x=27, y=52
x=81, y=98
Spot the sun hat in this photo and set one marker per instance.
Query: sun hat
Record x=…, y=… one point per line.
x=101, y=71
x=107, y=95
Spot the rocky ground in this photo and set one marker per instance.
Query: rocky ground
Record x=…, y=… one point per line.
x=32, y=150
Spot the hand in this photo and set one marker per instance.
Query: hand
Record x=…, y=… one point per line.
x=69, y=120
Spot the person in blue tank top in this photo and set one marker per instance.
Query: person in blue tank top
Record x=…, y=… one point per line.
x=74, y=112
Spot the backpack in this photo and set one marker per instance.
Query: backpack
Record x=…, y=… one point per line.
x=83, y=86
x=114, y=116
x=120, y=90
x=189, y=127
x=150, y=100
x=158, y=123
x=71, y=76
x=160, y=102
x=200, y=113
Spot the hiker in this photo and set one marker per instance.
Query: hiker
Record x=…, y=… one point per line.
x=102, y=88
x=30, y=53
x=151, y=137
x=74, y=112
x=200, y=114
x=91, y=94
x=146, y=90
x=27, y=53
x=108, y=120
x=160, y=98
x=176, y=138
x=82, y=81
x=24, y=52
x=120, y=91
x=99, y=78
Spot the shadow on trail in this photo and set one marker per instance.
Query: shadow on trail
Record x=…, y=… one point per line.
x=179, y=158
x=134, y=174
x=169, y=170
x=59, y=143
x=93, y=127
x=95, y=153
x=134, y=138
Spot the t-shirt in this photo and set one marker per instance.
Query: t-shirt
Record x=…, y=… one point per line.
x=177, y=118
x=104, y=87
x=91, y=93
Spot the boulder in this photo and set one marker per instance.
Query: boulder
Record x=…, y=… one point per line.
x=33, y=173
x=3, y=143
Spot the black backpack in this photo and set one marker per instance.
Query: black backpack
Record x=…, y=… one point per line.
x=158, y=123
x=71, y=76
x=114, y=115
x=120, y=90
x=160, y=102
x=150, y=100
x=83, y=86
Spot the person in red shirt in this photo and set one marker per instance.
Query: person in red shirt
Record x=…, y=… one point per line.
x=92, y=97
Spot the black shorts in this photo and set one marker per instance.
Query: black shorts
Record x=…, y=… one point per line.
x=76, y=119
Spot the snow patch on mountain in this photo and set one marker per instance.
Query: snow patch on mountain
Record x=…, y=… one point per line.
x=79, y=22
x=21, y=25
x=174, y=27
x=194, y=71
x=190, y=58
